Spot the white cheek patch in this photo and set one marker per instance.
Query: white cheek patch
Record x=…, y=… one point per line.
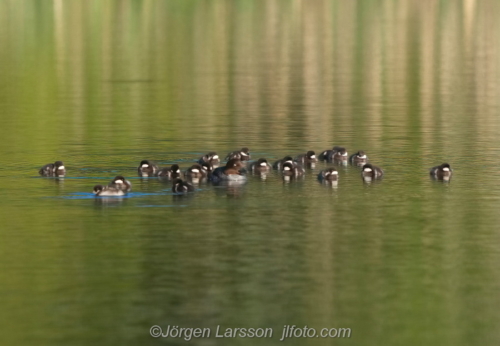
x=335, y=172
x=178, y=171
x=243, y=154
x=145, y=166
x=446, y=169
x=362, y=157
x=263, y=164
x=286, y=168
x=313, y=156
x=215, y=157
x=367, y=170
x=60, y=167
x=119, y=181
x=344, y=154
x=194, y=170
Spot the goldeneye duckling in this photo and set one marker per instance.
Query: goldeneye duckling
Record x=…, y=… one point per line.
x=147, y=168
x=337, y=153
x=207, y=167
x=369, y=172
x=260, y=166
x=171, y=172
x=442, y=172
x=120, y=183
x=329, y=174
x=278, y=165
x=195, y=171
x=292, y=169
x=180, y=186
x=233, y=170
x=358, y=158
x=55, y=169
x=340, y=154
x=309, y=157
x=100, y=190
x=211, y=158
x=242, y=155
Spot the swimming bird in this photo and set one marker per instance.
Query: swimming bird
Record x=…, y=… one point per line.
x=260, y=166
x=233, y=170
x=358, y=158
x=441, y=172
x=369, y=172
x=292, y=169
x=337, y=153
x=243, y=154
x=196, y=171
x=100, y=190
x=211, y=158
x=55, y=169
x=279, y=164
x=147, y=169
x=180, y=186
x=171, y=172
x=329, y=174
x=120, y=183
x=307, y=158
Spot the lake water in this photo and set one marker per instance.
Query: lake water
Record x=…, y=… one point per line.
x=104, y=85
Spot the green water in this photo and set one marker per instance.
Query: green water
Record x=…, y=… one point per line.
x=103, y=85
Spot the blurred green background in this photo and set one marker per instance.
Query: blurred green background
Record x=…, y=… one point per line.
x=102, y=85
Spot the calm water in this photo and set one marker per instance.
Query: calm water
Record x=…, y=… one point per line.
x=104, y=85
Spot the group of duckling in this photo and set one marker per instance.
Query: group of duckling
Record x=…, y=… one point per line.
x=207, y=168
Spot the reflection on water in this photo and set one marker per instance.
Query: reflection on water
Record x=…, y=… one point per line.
x=105, y=85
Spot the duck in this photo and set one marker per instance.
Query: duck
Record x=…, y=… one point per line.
x=260, y=166
x=147, y=168
x=55, y=169
x=211, y=158
x=329, y=174
x=180, y=186
x=337, y=153
x=358, y=158
x=369, y=172
x=207, y=167
x=171, y=172
x=120, y=183
x=100, y=190
x=233, y=170
x=340, y=154
x=292, y=169
x=441, y=172
x=309, y=157
x=195, y=171
x=279, y=164
x=242, y=155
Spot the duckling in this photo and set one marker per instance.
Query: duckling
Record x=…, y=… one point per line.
x=100, y=190
x=329, y=174
x=120, y=183
x=278, y=165
x=340, y=154
x=196, y=171
x=307, y=158
x=55, y=169
x=242, y=155
x=171, y=172
x=369, y=172
x=442, y=172
x=233, y=170
x=180, y=186
x=358, y=158
x=337, y=153
x=211, y=158
x=292, y=169
x=260, y=166
x=147, y=169
x=207, y=167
